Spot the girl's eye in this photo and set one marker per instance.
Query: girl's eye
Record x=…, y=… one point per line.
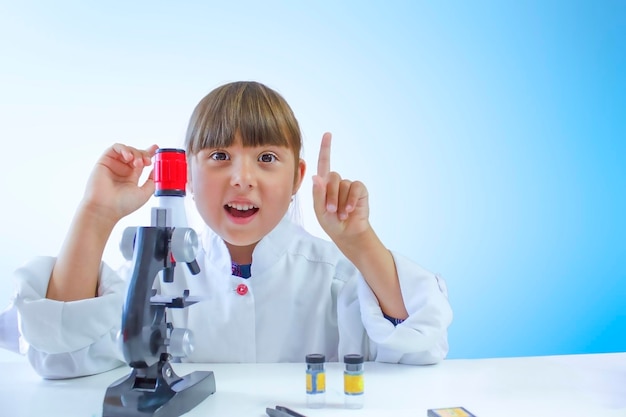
x=219, y=156
x=267, y=157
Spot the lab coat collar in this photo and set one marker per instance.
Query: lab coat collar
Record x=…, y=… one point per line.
x=273, y=246
x=265, y=255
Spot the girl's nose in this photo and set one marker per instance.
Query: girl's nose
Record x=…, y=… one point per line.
x=243, y=174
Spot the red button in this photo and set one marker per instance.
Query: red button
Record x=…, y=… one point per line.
x=242, y=289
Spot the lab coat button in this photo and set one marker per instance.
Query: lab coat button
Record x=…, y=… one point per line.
x=242, y=289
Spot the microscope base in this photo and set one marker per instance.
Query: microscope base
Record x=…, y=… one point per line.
x=165, y=396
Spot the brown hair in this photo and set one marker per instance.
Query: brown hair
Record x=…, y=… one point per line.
x=258, y=113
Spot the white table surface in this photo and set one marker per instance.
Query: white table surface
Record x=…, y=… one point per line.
x=572, y=386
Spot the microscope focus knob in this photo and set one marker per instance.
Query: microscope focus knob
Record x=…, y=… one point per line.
x=184, y=244
x=181, y=343
x=127, y=244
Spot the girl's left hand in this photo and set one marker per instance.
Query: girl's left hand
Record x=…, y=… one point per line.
x=341, y=205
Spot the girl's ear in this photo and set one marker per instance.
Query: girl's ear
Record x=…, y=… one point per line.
x=300, y=170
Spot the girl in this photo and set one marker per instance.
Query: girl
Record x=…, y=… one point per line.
x=271, y=292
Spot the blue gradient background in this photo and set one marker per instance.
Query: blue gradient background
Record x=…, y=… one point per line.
x=491, y=136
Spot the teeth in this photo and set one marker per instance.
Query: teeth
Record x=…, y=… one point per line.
x=241, y=207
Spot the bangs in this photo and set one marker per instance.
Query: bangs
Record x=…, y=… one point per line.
x=260, y=115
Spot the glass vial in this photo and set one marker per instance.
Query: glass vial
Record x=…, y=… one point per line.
x=353, y=386
x=315, y=380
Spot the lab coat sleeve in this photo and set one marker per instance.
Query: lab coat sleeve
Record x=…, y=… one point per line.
x=9, y=332
x=422, y=338
x=69, y=339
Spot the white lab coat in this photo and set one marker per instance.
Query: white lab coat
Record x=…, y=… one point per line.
x=303, y=297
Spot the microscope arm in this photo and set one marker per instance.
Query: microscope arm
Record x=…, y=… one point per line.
x=141, y=336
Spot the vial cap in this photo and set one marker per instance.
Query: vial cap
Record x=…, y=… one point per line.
x=353, y=358
x=315, y=358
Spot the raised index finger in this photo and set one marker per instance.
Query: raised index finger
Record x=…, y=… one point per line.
x=323, y=161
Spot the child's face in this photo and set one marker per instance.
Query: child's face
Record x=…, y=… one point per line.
x=243, y=192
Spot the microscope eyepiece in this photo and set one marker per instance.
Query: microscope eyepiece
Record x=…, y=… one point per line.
x=170, y=172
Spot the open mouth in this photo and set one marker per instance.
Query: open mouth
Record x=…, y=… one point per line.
x=241, y=210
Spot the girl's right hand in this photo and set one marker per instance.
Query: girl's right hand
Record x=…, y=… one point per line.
x=113, y=189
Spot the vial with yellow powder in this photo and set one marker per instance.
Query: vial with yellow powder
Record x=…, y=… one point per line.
x=353, y=386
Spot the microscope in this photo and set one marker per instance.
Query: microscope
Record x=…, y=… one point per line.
x=147, y=339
